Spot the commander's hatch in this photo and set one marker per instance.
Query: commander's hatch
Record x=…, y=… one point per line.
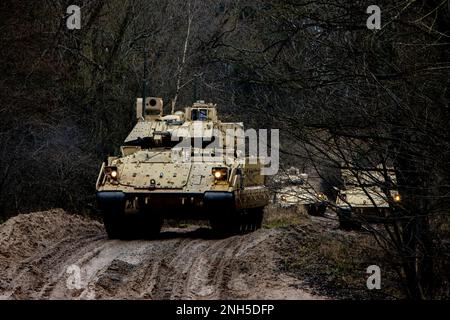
x=201, y=111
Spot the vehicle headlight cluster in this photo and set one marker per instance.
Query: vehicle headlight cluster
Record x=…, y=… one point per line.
x=320, y=196
x=220, y=174
x=111, y=172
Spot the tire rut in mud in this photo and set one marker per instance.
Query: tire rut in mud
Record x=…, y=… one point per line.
x=54, y=255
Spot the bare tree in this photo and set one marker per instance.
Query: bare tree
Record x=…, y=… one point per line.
x=346, y=97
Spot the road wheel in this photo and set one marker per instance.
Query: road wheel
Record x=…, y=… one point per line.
x=245, y=223
x=251, y=219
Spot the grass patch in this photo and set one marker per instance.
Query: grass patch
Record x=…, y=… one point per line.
x=334, y=263
x=275, y=217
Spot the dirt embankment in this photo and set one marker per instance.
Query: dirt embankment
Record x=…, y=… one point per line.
x=54, y=255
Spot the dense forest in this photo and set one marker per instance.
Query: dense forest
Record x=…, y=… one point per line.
x=342, y=96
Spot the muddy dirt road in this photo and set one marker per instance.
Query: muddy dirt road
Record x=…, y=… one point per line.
x=54, y=255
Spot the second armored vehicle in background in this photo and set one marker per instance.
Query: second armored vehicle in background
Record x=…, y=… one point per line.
x=367, y=194
x=294, y=190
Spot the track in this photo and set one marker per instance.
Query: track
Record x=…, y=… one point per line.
x=54, y=255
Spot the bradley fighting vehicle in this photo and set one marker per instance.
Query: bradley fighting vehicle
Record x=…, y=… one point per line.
x=294, y=190
x=180, y=166
x=367, y=194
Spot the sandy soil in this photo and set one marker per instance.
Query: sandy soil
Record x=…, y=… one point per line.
x=55, y=255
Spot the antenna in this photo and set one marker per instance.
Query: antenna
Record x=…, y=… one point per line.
x=144, y=81
x=195, y=88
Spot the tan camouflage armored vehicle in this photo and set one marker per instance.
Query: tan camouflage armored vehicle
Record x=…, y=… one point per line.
x=180, y=166
x=294, y=190
x=364, y=195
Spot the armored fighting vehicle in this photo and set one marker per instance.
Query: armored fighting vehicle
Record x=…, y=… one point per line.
x=294, y=190
x=181, y=166
x=366, y=195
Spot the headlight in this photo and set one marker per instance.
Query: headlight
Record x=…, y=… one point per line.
x=320, y=196
x=220, y=174
x=111, y=172
x=397, y=198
